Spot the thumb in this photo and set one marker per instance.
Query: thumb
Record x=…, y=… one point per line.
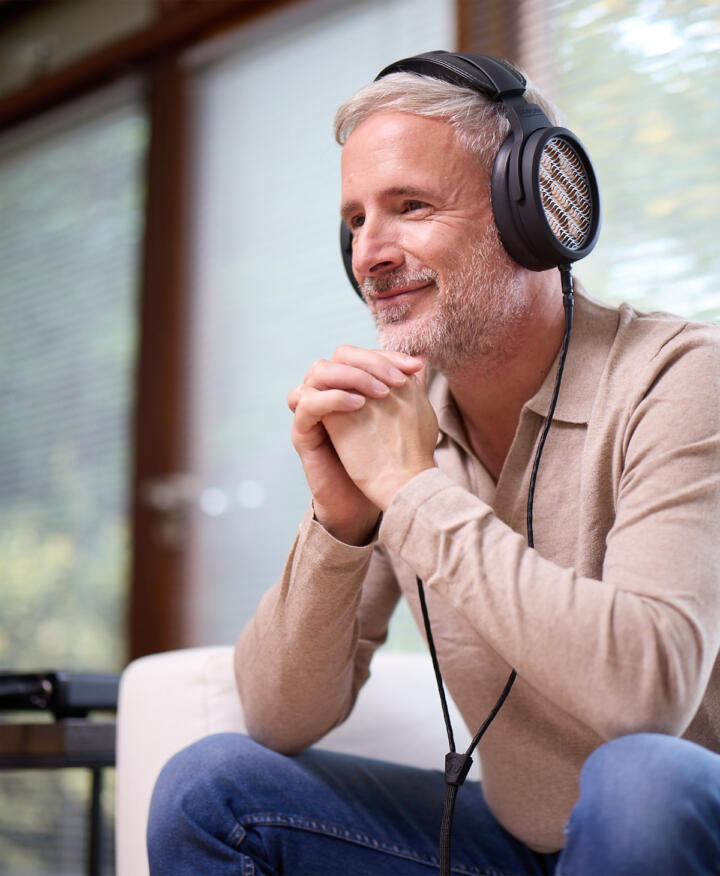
x=423, y=375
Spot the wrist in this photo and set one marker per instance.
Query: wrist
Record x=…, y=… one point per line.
x=356, y=532
x=387, y=489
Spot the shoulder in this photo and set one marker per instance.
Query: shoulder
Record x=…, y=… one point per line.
x=652, y=347
x=664, y=332
x=663, y=370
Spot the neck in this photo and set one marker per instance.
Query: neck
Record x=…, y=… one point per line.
x=490, y=393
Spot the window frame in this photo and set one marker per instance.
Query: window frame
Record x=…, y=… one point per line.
x=159, y=588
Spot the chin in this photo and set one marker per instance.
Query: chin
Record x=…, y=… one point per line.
x=412, y=338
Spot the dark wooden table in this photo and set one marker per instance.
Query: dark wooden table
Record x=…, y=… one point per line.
x=69, y=742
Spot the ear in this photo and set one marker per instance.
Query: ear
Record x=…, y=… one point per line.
x=346, y=251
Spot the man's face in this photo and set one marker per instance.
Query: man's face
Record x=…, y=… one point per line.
x=425, y=248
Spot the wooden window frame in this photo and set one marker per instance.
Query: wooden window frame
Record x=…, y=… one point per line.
x=490, y=27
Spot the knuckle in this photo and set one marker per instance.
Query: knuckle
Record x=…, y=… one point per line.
x=342, y=352
x=299, y=395
x=317, y=366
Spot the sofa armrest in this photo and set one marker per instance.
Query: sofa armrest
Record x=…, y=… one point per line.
x=170, y=700
x=166, y=701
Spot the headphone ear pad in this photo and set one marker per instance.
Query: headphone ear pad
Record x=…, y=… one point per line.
x=545, y=199
x=346, y=252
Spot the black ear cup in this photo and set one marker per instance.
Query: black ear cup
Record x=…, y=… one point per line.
x=544, y=190
x=547, y=208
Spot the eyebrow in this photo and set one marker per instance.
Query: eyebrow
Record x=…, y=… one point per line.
x=349, y=207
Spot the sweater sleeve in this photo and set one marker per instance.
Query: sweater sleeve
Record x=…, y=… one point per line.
x=634, y=650
x=302, y=658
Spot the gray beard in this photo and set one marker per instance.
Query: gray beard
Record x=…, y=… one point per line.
x=474, y=314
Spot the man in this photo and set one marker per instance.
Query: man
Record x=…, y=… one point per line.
x=418, y=459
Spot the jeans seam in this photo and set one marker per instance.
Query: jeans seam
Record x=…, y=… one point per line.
x=237, y=835
x=314, y=825
x=235, y=839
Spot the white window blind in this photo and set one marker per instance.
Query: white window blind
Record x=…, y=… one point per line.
x=70, y=222
x=270, y=288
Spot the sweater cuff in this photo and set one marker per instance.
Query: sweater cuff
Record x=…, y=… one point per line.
x=424, y=511
x=327, y=549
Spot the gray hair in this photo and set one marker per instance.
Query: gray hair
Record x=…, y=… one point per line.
x=479, y=123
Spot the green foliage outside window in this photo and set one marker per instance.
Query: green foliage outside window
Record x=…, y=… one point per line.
x=70, y=224
x=70, y=220
x=638, y=82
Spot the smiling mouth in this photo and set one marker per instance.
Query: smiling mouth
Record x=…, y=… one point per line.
x=396, y=296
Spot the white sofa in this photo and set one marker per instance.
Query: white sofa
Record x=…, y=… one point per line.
x=169, y=700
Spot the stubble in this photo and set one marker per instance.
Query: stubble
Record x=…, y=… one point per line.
x=476, y=309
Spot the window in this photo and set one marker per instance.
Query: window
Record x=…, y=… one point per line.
x=636, y=82
x=70, y=220
x=271, y=294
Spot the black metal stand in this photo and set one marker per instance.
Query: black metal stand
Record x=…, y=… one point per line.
x=68, y=743
x=95, y=844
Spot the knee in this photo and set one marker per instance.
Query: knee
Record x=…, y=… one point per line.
x=646, y=772
x=643, y=798
x=195, y=783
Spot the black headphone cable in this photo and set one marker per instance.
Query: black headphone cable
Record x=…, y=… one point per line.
x=457, y=765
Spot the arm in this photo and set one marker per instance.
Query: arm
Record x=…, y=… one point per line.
x=301, y=660
x=633, y=650
x=305, y=654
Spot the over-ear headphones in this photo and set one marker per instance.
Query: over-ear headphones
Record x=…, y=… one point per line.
x=544, y=190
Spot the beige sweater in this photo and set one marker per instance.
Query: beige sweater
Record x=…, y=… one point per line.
x=612, y=621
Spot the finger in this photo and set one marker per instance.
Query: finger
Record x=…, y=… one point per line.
x=388, y=366
x=337, y=375
x=423, y=375
x=352, y=354
x=404, y=361
x=293, y=397
x=314, y=404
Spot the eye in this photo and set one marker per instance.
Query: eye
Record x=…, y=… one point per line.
x=355, y=221
x=414, y=206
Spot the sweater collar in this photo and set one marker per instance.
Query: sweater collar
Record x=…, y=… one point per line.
x=594, y=328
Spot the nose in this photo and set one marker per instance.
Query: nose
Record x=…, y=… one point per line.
x=375, y=250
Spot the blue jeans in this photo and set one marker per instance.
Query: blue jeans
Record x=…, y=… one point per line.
x=649, y=806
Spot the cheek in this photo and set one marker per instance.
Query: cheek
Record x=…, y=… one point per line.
x=427, y=245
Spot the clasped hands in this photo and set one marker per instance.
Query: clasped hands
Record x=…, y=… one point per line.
x=363, y=427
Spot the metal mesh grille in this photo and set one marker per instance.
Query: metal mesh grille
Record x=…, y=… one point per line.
x=565, y=193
